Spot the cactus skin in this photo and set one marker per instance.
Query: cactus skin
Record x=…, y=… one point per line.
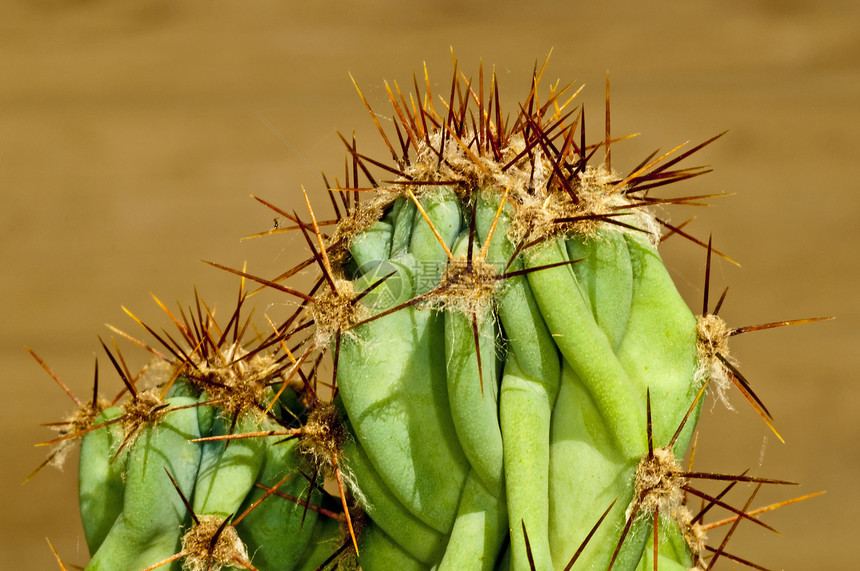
x=515, y=377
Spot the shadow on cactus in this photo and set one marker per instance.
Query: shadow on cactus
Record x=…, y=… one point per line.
x=491, y=370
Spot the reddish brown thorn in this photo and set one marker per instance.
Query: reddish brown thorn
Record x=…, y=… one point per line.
x=323, y=259
x=414, y=301
x=519, y=124
x=121, y=360
x=690, y=410
x=648, y=426
x=296, y=367
x=580, y=167
x=301, y=502
x=523, y=272
x=269, y=492
x=737, y=559
x=291, y=217
x=568, y=138
x=633, y=513
x=404, y=145
x=519, y=248
x=56, y=378
x=678, y=230
x=336, y=356
x=757, y=511
x=589, y=536
x=529, y=554
x=556, y=164
x=743, y=385
x=470, y=249
x=307, y=502
x=263, y=281
x=750, y=328
x=530, y=145
x=726, y=506
x=481, y=110
x=44, y=463
x=182, y=497
x=478, y=351
x=731, y=532
x=127, y=381
x=688, y=153
x=707, y=507
x=355, y=166
x=422, y=183
x=608, y=218
x=450, y=115
x=641, y=171
x=408, y=126
x=425, y=132
x=649, y=182
x=331, y=196
x=740, y=478
x=720, y=301
x=324, y=565
x=707, y=277
x=158, y=337
x=356, y=163
x=669, y=234
x=608, y=161
x=641, y=165
x=234, y=318
x=501, y=136
x=289, y=273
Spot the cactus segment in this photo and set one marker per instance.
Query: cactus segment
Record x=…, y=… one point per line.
x=479, y=530
x=525, y=419
x=658, y=349
x=378, y=551
x=148, y=529
x=605, y=274
x=100, y=478
x=278, y=531
x=583, y=344
x=394, y=390
x=228, y=470
x=473, y=392
x=417, y=538
x=587, y=473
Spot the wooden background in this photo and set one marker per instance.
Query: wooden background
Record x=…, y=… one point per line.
x=132, y=134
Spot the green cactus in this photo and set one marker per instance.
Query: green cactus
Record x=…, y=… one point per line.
x=514, y=379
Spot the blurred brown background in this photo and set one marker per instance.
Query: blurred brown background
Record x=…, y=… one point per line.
x=132, y=134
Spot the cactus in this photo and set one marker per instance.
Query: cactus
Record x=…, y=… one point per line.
x=514, y=379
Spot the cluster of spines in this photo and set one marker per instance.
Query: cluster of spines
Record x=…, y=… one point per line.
x=535, y=145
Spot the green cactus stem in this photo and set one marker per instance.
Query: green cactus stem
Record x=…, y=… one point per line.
x=492, y=370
